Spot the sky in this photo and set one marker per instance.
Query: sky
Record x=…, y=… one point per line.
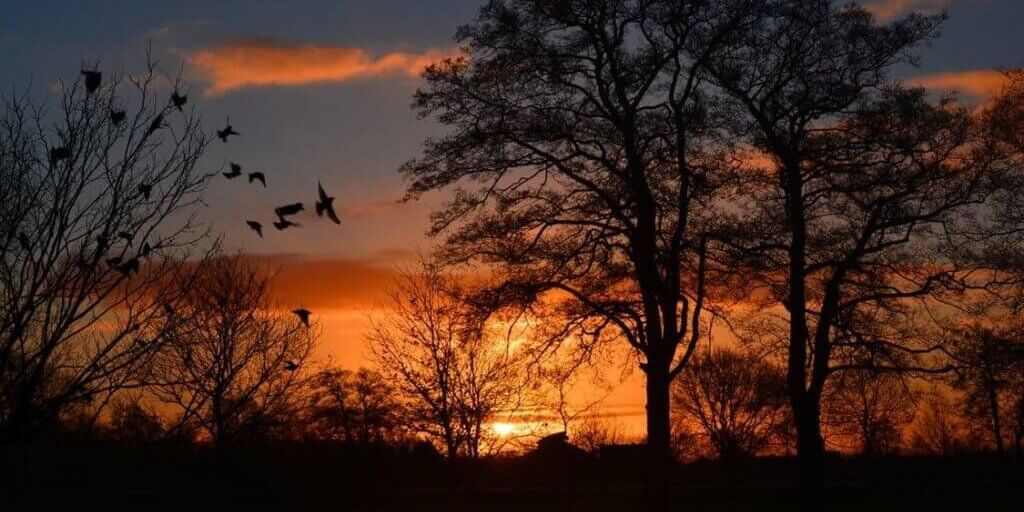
x=321, y=91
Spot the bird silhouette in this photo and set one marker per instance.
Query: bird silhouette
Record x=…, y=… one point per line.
x=226, y=132
x=158, y=122
x=146, y=250
x=288, y=209
x=255, y=226
x=303, y=315
x=59, y=153
x=236, y=171
x=179, y=100
x=145, y=189
x=126, y=236
x=325, y=204
x=128, y=267
x=116, y=116
x=258, y=176
x=291, y=365
x=284, y=224
x=92, y=80
x=24, y=242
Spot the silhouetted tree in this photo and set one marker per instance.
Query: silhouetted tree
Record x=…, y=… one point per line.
x=938, y=429
x=455, y=373
x=872, y=409
x=231, y=359
x=990, y=374
x=94, y=217
x=357, y=408
x=597, y=152
x=133, y=423
x=858, y=204
x=737, y=400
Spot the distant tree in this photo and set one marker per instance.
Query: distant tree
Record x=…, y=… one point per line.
x=592, y=431
x=98, y=200
x=455, y=372
x=990, y=374
x=598, y=154
x=872, y=409
x=737, y=401
x=231, y=359
x=571, y=384
x=938, y=429
x=358, y=408
x=131, y=422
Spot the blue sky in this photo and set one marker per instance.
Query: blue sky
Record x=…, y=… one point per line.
x=352, y=134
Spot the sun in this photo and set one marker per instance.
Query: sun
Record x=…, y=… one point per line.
x=503, y=429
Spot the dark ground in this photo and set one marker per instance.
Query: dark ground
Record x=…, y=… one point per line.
x=330, y=477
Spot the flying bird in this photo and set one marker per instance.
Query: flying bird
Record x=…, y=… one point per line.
x=178, y=100
x=58, y=154
x=303, y=315
x=258, y=176
x=158, y=122
x=255, y=226
x=236, y=171
x=284, y=224
x=288, y=209
x=291, y=365
x=227, y=132
x=92, y=80
x=325, y=204
x=145, y=189
x=128, y=267
x=116, y=116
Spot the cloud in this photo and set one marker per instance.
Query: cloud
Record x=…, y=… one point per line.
x=981, y=84
x=335, y=283
x=888, y=10
x=241, y=64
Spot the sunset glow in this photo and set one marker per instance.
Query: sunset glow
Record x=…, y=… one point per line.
x=506, y=255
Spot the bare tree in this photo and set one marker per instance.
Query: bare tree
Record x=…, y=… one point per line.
x=231, y=358
x=455, y=372
x=737, y=400
x=133, y=423
x=598, y=155
x=97, y=207
x=989, y=369
x=938, y=429
x=871, y=409
x=860, y=206
x=358, y=408
x=594, y=431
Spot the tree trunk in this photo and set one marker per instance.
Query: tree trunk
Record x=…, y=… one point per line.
x=997, y=425
x=659, y=436
x=810, y=449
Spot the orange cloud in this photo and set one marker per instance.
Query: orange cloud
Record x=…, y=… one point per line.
x=981, y=84
x=888, y=10
x=248, y=64
x=344, y=284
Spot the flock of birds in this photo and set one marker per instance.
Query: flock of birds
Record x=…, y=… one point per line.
x=324, y=204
